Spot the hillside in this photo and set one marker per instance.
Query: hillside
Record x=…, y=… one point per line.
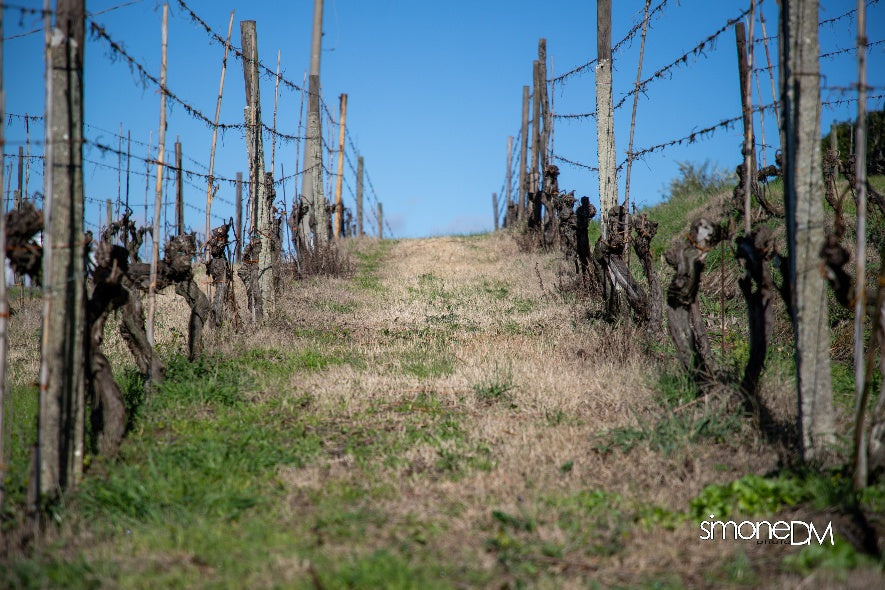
x=452, y=415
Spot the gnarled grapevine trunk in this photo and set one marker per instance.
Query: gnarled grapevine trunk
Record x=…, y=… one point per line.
x=686, y=326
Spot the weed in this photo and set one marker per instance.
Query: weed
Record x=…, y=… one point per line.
x=497, y=387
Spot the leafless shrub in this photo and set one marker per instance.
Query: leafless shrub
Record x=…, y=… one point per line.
x=322, y=260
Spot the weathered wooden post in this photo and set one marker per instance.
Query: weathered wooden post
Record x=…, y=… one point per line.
x=210, y=181
x=238, y=229
x=523, y=155
x=605, y=131
x=747, y=112
x=4, y=304
x=544, y=103
x=158, y=194
x=312, y=184
x=19, y=195
x=262, y=205
x=179, y=191
x=535, y=172
x=805, y=223
x=339, y=207
x=495, y=209
x=380, y=222
x=636, y=89
x=509, y=189
x=860, y=175
x=62, y=369
x=359, y=196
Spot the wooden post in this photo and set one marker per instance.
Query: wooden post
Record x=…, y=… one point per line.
x=312, y=183
x=16, y=204
x=62, y=378
x=179, y=190
x=128, y=160
x=262, y=203
x=147, y=180
x=860, y=187
x=535, y=178
x=747, y=112
x=339, y=206
x=635, y=104
x=158, y=191
x=109, y=212
x=380, y=222
x=276, y=104
x=238, y=230
x=805, y=224
x=509, y=190
x=20, y=192
x=210, y=188
x=359, y=196
x=774, y=97
x=605, y=131
x=523, y=155
x=544, y=105
x=27, y=193
x=495, y=209
x=4, y=304
x=119, y=168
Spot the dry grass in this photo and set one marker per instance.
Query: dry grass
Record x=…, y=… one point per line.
x=467, y=392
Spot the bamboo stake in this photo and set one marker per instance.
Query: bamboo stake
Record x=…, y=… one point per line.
x=147, y=179
x=762, y=145
x=774, y=97
x=210, y=189
x=158, y=199
x=276, y=102
x=635, y=103
x=751, y=61
x=860, y=171
x=300, y=125
x=339, y=206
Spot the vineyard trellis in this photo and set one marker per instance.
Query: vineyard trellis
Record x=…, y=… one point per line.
x=107, y=237
x=756, y=248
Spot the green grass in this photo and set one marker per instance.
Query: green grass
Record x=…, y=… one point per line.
x=677, y=428
x=368, y=265
x=20, y=432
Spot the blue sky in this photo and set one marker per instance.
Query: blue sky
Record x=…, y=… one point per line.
x=434, y=89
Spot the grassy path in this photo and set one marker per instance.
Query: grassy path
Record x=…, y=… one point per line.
x=444, y=418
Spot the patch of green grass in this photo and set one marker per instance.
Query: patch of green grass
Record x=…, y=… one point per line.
x=334, y=307
x=382, y=568
x=20, y=430
x=738, y=570
x=368, y=265
x=429, y=358
x=497, y=387
x=839, y=557
x=670, y=433
x=183, y=468
x=49, y=572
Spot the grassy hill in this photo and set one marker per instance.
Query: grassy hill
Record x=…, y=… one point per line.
x=451, y=415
